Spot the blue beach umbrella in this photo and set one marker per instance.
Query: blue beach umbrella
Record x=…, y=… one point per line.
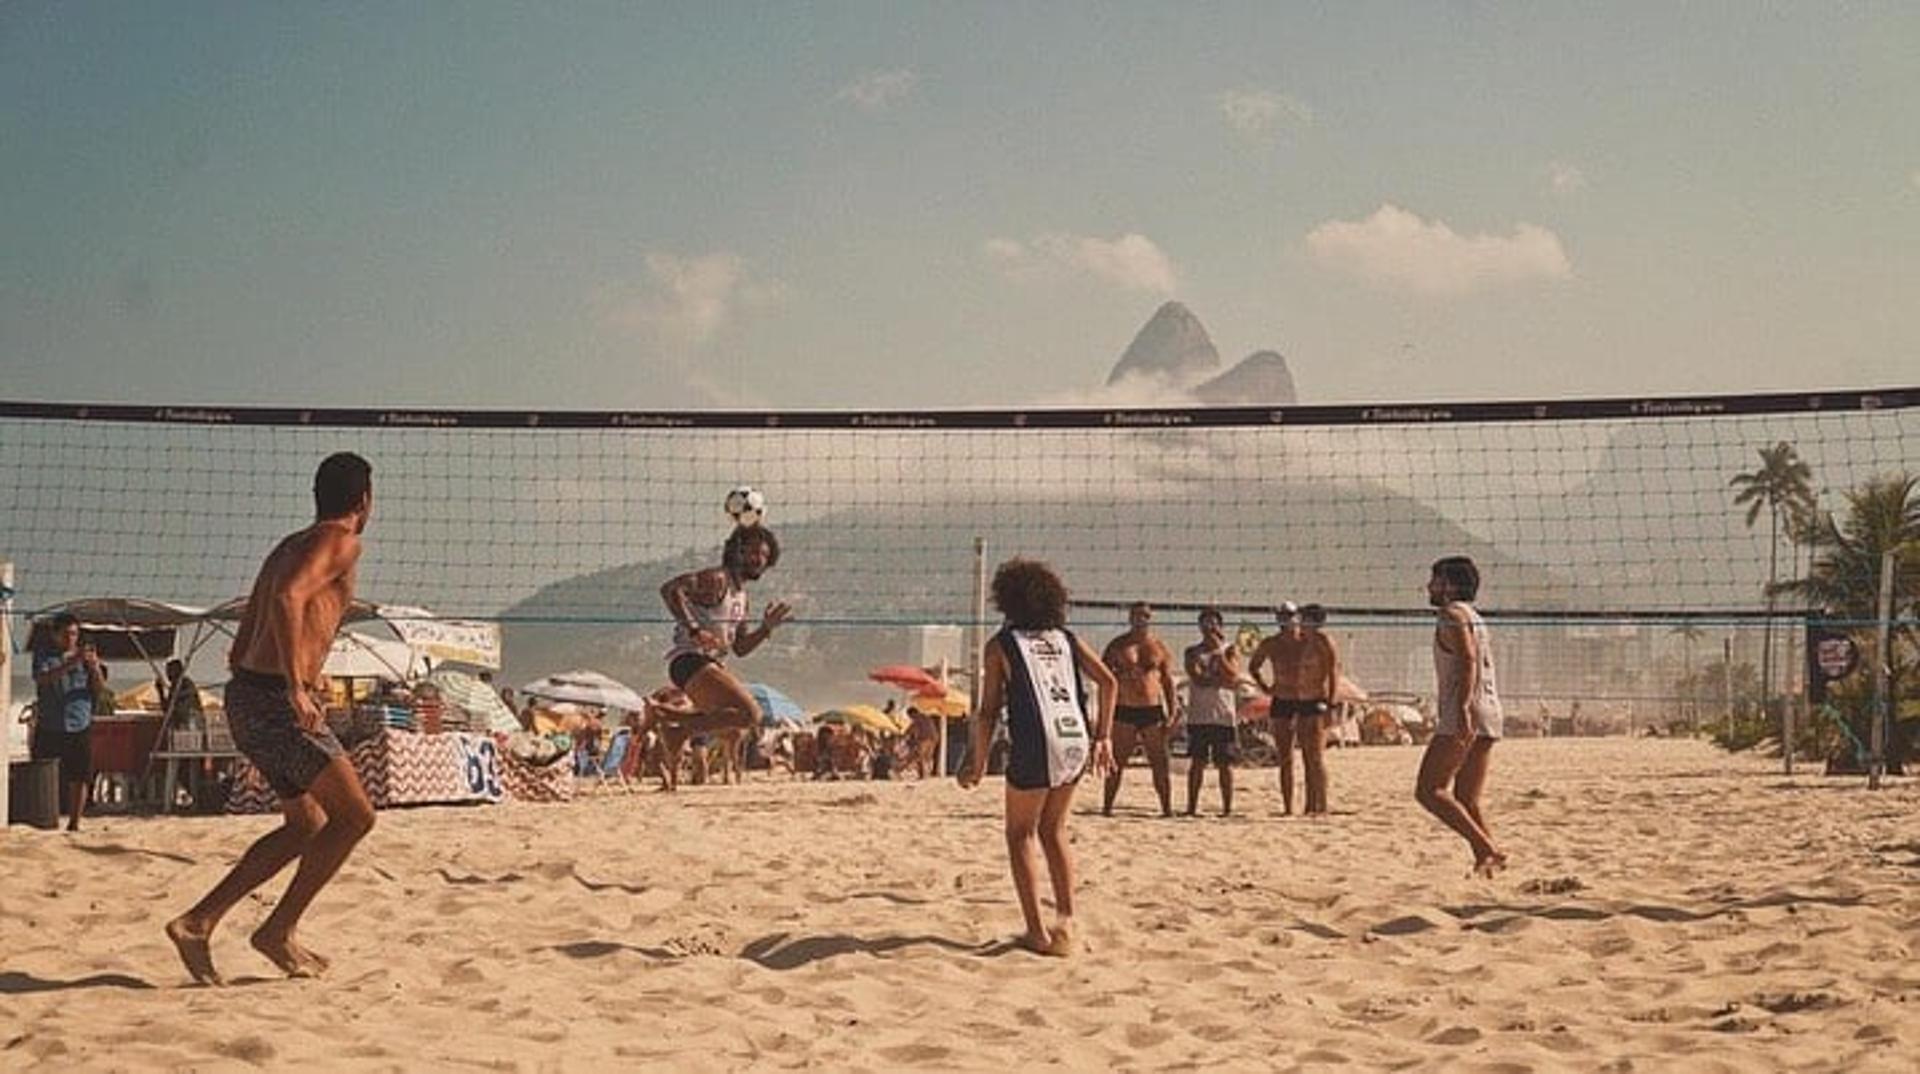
x=776, y=708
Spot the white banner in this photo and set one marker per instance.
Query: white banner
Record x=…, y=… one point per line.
x=462, y=641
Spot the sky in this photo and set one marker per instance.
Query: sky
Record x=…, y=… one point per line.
x=907, y=205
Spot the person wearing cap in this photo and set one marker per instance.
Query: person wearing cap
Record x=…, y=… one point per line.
x=1305, y=669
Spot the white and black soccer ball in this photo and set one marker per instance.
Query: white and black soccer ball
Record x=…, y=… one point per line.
x=747, y=506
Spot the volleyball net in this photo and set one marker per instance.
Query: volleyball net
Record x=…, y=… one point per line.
x=1606, y=530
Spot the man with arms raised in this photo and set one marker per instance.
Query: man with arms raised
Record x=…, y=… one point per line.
x=709, y=609
x=1213, y=671
x=1305, y=673
x=1470, y=716
x=294, y=610
x=1144, y=668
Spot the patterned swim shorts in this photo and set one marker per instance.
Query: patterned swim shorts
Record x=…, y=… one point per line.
x=267, y=732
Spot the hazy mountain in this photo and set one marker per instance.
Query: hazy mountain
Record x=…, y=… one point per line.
x=858, y=583
x=1173, y=345
x=1173, y=348
x=1261, y=379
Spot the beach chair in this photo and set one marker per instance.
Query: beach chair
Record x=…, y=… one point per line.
x=610, y=771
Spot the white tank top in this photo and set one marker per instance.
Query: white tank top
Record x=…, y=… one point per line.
x=1485, y=701
x=722, y=619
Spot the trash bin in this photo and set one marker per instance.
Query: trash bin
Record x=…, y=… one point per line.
x=33, y=793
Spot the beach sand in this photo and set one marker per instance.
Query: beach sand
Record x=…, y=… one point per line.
x=1670, y=908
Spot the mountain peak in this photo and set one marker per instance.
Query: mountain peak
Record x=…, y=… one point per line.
x=1173, y=345
x=1261, y=379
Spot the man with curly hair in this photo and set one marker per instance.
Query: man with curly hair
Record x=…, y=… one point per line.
x=1038, y=669
x=709, y=609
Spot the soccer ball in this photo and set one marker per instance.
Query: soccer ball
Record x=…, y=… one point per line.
x=746, y=505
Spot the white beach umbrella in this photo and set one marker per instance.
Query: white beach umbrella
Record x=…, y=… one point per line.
x=583, y=687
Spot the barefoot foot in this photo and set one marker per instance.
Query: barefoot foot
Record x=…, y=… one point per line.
x=1037, y=942
x=292, y=959
x=1489, y=866
x=1062, y=944
x=190, y=939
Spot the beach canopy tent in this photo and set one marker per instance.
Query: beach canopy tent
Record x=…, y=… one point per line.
x=131, y=628
x=453, y=641
x=354, y=655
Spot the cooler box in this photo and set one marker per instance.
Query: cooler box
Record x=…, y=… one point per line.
x=33, y=793
x=122, y=744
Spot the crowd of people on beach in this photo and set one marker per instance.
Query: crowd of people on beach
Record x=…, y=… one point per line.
x=1060, y=702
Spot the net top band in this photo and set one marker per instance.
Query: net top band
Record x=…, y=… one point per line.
x=1612, y=409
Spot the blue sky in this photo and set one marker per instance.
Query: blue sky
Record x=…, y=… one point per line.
x=893, y=204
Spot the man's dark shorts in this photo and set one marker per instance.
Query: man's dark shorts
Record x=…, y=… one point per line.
x=73, y=749
x=1287, y=708
x=1209, y=744
x=1140, y=717
x=266, y=730
x=681, y=669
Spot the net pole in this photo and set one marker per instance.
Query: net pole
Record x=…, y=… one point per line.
x=6, y=689
x=1726, y=685
x=1882, y=666
x=976, y=643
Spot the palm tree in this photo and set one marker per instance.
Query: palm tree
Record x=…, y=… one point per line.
x=1783, y=484
x=1689, y=634
x=1843, y=576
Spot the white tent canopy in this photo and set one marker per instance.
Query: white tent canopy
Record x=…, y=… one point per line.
x=456, y=641
x=354, y=655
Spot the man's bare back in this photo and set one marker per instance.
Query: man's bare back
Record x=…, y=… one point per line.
x=298, y=600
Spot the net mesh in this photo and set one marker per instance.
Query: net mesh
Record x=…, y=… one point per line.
x=564, y=526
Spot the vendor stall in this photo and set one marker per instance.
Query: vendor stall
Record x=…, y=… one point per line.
x=400, y=768
x=123, y=630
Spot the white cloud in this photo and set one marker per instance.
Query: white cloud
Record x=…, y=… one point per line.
x=878, y=90
x=1258, y=112
x=686, y=301
x=1131, y=261
x=1397, y=249
x=1565, y=179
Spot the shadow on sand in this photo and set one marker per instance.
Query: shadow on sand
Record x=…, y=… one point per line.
x=784, y=951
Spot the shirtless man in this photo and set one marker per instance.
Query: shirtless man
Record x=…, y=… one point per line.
x=1147, y=704
x=294, y=610
x=1471, y=719
x=1213, y=671
x=1306, y=669
x=709, y=609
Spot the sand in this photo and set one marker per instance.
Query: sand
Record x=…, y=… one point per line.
x=1670, y=908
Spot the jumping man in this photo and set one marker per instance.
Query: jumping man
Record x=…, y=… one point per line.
x=709, y=609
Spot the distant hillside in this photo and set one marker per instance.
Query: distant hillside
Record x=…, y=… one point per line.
x=856, y=583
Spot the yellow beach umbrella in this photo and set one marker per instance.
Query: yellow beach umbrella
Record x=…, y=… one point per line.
x=953, y=704
x=864, y=717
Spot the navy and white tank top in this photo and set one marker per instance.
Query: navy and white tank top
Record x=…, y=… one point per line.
x=1046, y=709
